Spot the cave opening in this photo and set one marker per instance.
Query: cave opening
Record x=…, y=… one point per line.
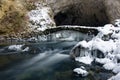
x=82, y=17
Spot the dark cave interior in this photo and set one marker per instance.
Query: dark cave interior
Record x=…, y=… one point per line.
x=76, y=16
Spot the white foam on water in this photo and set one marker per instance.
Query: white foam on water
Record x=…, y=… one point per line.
x=38, y=58
x=53, y=60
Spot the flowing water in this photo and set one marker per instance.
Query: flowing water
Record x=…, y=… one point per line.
x=47, y=60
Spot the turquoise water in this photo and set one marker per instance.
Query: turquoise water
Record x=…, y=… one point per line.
x=47, y=60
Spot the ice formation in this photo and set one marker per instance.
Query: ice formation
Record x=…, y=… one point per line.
x=108, y=42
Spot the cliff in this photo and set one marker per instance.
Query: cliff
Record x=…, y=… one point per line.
x=15, y=21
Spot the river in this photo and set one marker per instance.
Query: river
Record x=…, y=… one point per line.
x=47, y=60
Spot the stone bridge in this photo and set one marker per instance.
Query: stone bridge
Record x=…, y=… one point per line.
x=82, y=29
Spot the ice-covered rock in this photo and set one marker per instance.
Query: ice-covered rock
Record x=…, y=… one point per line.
x=103, y=46
x=15, y=47
x=107, y=29
x=26, y=49
x=103, y=60
x=109, y=65
x=117, y=22
x=116, y=69
x=33, y=39
x=108, y=42
x=97, y=43
x=18, y=48
x=118, y=56
x=81, y=71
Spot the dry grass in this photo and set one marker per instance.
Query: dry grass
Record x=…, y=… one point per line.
x=13, y=21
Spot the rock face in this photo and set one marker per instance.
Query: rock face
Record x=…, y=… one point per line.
x=12, y=17
x=85, y=12
x=113, y=9
x=41, y=18
x=14, y=22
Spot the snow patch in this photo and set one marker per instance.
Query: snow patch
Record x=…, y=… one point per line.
x=81, y=71
x=116, y=69
x=18, y=48
x=109, y=66
x=40, y=19
x=107, y=29
x=15, y=47
x=103, y=60
x=26, y=49
x=85, y=60
x=117, y=22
